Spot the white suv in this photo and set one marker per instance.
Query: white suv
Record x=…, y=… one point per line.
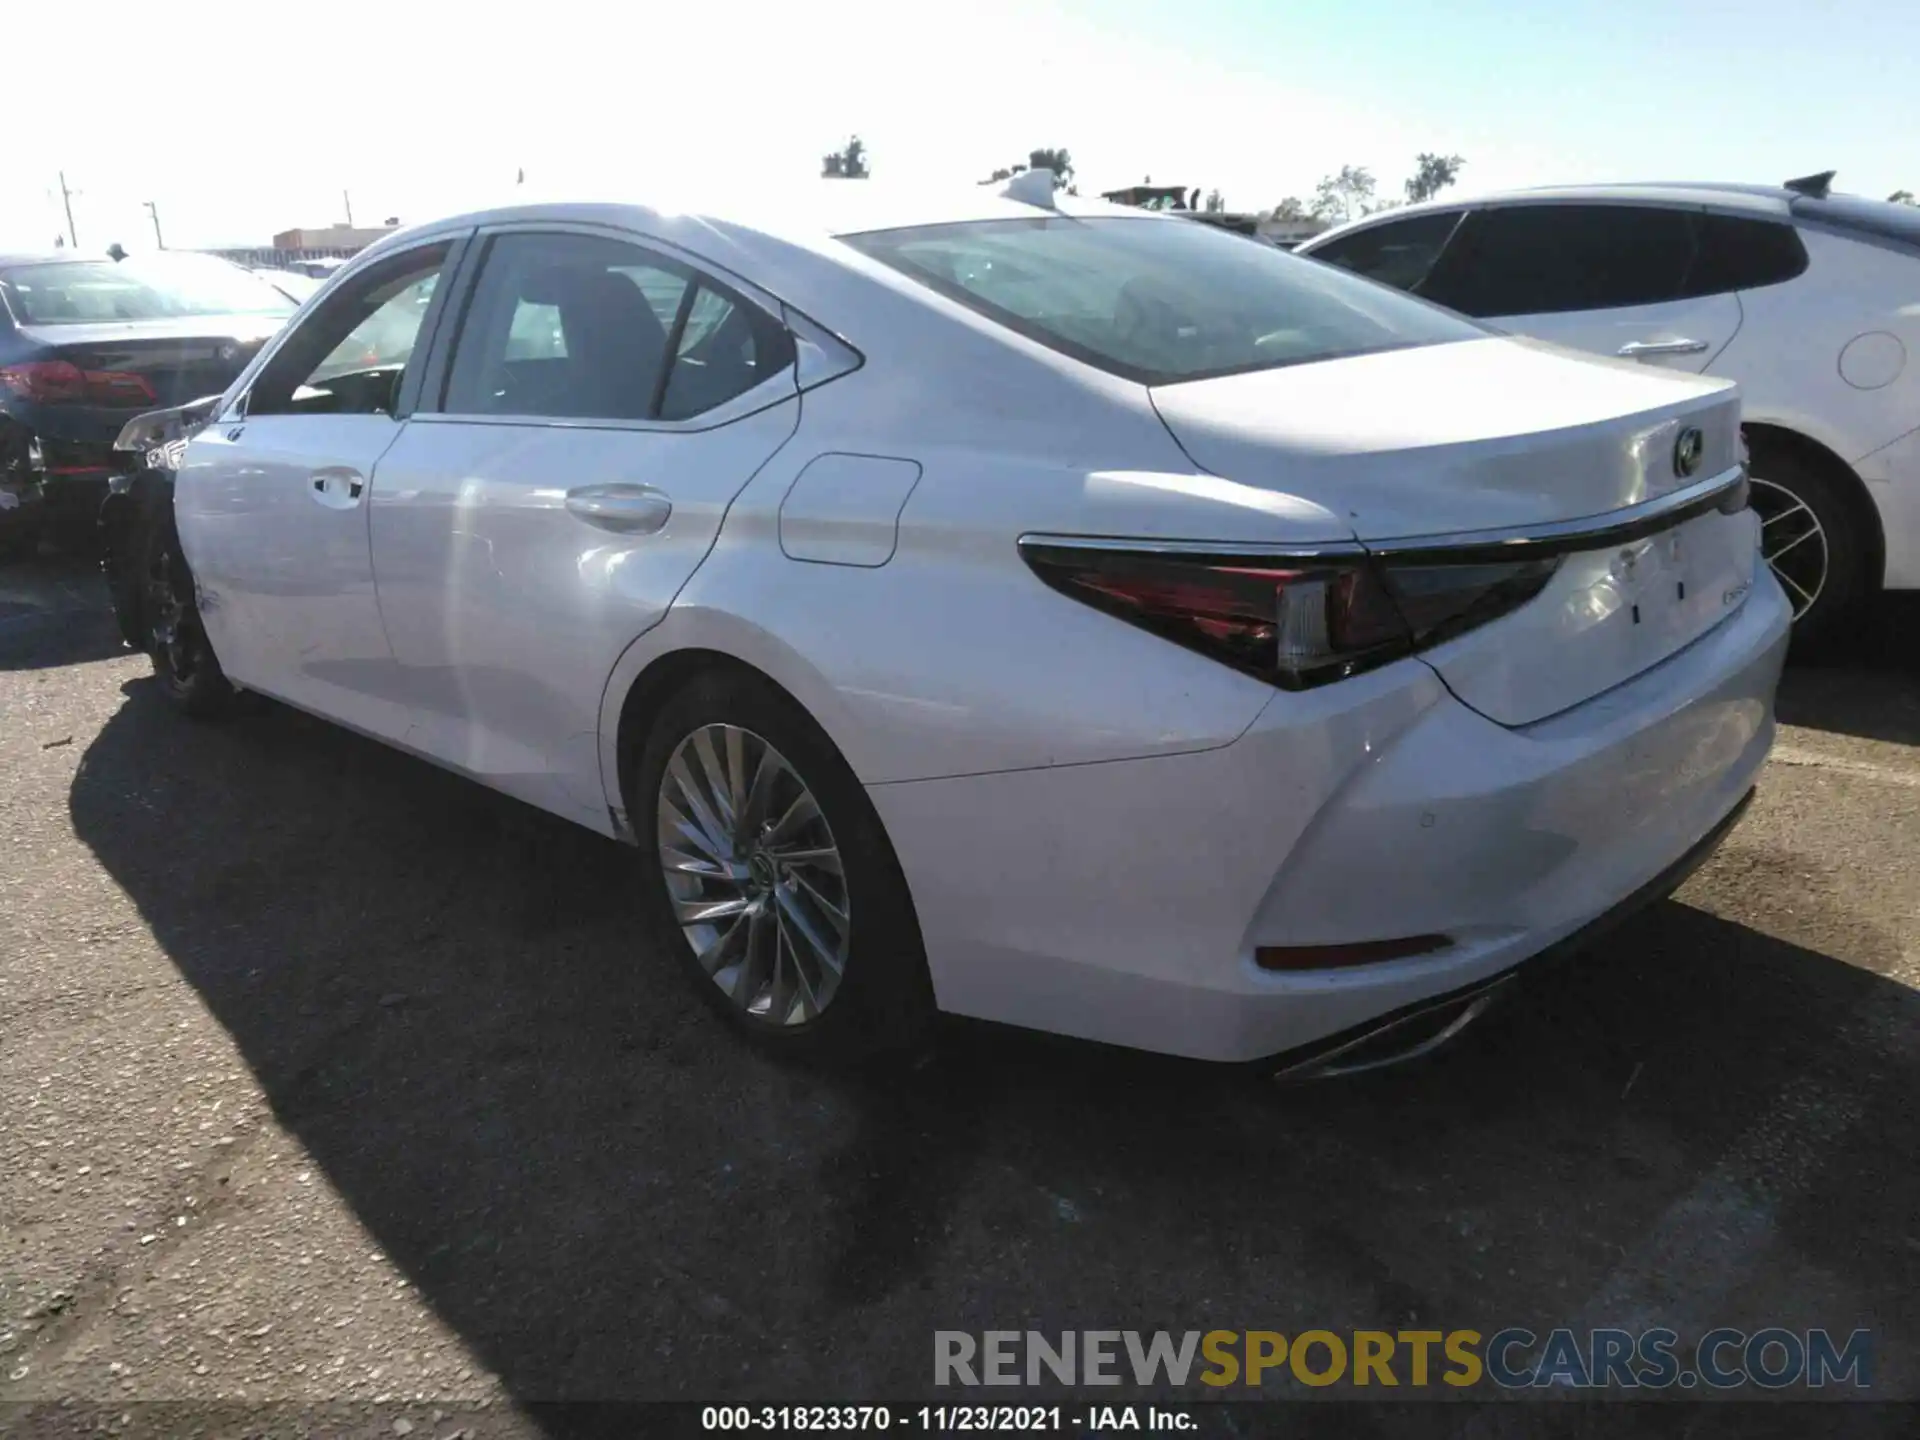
x=1810, y=300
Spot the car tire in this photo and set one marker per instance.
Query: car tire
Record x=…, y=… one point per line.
x=183, y=658
x=1811, y=538
x=762, y=957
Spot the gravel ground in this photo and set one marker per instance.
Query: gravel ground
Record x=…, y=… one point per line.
x=325, y=1076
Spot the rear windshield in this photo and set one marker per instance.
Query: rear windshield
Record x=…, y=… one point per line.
x=1159, y=301
x=143, y=287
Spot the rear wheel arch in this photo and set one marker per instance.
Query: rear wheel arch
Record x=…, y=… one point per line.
x=650, y=690
x=1764, y=438
x=670, y=672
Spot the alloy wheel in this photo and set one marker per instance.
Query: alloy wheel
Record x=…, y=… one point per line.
x=1793, y=542
x=753, y=874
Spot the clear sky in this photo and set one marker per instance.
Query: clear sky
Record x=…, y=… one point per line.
x=239, y=120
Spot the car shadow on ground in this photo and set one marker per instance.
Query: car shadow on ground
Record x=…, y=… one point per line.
x=1869, y=684
x=53, y=611
x=448, y=998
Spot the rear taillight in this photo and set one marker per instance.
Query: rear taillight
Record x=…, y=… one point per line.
x=46, y=382
x=61, y=382
x=1294, y=622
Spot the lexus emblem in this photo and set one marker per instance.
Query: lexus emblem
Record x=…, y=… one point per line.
x=1687, y=452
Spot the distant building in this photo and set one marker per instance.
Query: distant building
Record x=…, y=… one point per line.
x=341, y=239
x=305, y=261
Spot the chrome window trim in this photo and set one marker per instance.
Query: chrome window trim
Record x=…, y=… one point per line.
x=780, y=386
x=1516, y=542
x=820, y=355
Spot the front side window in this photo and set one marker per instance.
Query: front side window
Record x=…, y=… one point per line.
x=1551, y=259
x=349, y=356
x=1399, y=253
x=141, y=287
x=1158, y=301
x=586, y=327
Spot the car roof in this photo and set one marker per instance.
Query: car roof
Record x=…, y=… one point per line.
x=1855, y=214
x=803, y=213
x=783, y=239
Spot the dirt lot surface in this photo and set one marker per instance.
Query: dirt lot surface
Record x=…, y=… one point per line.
x=327, y=1076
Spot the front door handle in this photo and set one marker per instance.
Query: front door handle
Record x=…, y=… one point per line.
x=625, y=509
x=1643, y=349
x=338, y=487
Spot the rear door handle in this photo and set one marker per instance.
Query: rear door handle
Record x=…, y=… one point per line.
x=338, y=487
x=624, y=509
x=1641, y=349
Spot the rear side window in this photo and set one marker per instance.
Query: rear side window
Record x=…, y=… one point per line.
x=1157, y=301
x=1399, y=253
x=585, y=327
x=1735, y=253
x=1548, y=259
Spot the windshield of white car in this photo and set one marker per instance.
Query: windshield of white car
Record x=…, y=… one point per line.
x=141, y=287
x=1159, y=301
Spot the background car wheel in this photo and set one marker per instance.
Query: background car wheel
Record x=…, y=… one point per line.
x=1810, y=538
x=770, y=874
x=183, y=660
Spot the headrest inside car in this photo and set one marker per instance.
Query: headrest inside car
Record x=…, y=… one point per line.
x=561, y=284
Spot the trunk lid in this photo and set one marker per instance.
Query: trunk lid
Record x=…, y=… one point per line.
x=1426, y=445
x=165, y=362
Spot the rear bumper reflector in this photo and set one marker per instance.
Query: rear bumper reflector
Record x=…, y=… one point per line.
x=1335, y=957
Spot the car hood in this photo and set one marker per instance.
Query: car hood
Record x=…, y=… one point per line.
x=1438, y=439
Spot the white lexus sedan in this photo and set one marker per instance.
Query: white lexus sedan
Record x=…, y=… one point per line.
x=995, y=602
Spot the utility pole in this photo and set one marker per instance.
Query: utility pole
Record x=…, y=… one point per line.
x=154, y=211
x=66, y=198
x=349, y=199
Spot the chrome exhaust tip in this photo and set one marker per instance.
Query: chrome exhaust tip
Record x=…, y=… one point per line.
x=1399, y=1038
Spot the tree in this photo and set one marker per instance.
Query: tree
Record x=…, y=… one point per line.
x=847, y=163
x=1431, y=175
x=1292, y=208
x=1215, y=202
x=1345, y=196
x=1058, y=161
x=1902, y=197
